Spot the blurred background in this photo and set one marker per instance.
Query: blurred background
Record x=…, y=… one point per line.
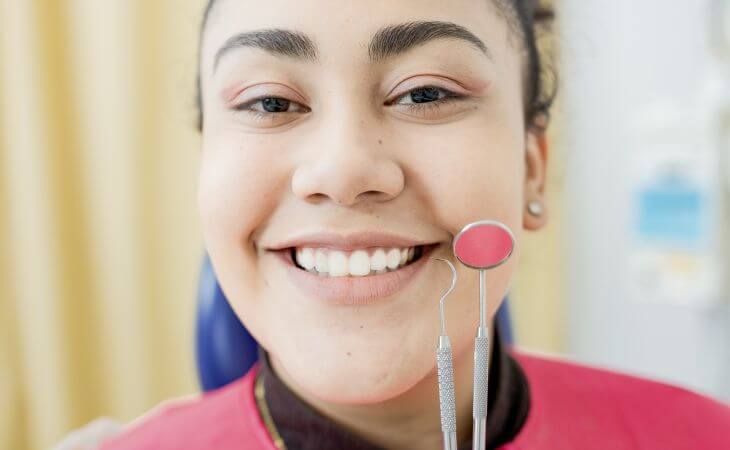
x=100, y=249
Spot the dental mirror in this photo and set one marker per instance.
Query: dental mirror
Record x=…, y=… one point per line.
x=482, y=245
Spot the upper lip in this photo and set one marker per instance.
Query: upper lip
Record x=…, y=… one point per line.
x=349, y=242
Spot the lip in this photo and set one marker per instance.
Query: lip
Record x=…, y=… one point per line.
x=349, y=290
x=349, y=242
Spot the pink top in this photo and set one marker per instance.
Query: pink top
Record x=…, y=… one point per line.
x=572, y=407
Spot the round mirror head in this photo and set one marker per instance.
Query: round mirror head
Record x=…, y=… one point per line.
x=484, y=244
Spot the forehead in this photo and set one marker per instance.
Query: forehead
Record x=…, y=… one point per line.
x=345, y=31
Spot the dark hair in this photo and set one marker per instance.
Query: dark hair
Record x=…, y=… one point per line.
x=527, y=18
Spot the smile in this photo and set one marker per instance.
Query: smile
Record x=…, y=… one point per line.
x=359, y=276
x=359, y=263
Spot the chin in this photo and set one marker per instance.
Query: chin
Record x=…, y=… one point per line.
x=371, y=371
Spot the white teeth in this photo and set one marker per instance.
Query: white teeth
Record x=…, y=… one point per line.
x=320, y=258
x=393, y=258
x=359, y=263
x=338, y=264
x=377, y=261
x=306, y=258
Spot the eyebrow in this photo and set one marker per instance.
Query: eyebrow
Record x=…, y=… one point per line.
x=386, y=43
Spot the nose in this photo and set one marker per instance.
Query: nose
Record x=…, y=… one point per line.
x=348, y=165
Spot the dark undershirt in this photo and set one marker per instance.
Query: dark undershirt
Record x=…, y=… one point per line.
x=303, y=428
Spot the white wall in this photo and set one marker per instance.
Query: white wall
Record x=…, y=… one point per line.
x=643, y=91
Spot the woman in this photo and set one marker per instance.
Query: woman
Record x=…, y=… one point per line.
x=334, y=133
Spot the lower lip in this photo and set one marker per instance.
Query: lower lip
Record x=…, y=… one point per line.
x=350, y=290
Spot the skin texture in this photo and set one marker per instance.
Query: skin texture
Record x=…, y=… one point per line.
x=348, y=157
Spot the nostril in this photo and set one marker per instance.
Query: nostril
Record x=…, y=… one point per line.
x=375, y=195
x=317, y=198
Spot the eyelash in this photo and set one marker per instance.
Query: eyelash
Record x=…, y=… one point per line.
x=415, y=107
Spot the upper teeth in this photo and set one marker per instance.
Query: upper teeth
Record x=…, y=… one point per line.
x=336, y=263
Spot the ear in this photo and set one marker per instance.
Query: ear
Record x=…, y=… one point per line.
x=536, y=158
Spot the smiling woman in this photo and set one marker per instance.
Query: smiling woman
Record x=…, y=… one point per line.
x=350, y=142
x=342, y=147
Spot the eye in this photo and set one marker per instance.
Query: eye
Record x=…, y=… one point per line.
x=420, y=100
x=270, y=107
x=427, y=98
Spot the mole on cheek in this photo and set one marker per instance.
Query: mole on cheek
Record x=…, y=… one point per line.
x=380, y=141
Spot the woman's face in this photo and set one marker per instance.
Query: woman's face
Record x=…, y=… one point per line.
x=360, y=123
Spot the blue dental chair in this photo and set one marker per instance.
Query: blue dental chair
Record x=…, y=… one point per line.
x=225, y=350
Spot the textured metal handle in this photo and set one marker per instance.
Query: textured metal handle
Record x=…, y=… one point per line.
x=446, y=386
x=481, y=390
x=481, y=375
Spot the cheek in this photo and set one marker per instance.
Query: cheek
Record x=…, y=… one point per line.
x=239, y=186
x=476, y=174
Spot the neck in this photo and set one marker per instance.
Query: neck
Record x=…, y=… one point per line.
x=409, y=421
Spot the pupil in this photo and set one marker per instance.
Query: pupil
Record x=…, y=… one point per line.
x=275, y=104
x=427, y=94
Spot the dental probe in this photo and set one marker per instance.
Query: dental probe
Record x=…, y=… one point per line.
x=447, y=397
x=482, y=245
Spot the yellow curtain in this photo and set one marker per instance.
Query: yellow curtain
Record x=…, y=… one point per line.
x=99, y=238
x=99, y=230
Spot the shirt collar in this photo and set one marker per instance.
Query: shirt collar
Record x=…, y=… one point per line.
x=302, y=427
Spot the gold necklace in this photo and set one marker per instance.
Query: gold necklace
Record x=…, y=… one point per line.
x=260, y=394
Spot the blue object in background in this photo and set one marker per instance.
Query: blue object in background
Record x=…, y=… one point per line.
x=672, y=213
x=225, y=350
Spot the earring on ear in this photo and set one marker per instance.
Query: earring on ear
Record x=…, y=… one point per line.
x=535, y=208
